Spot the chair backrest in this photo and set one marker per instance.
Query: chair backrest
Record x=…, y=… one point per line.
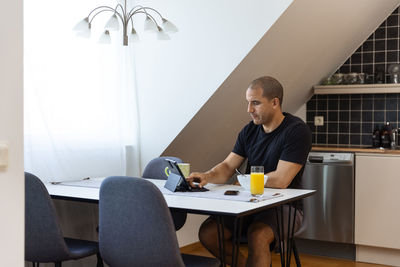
x=135, y=226
x=44, y=241
x=155, y=169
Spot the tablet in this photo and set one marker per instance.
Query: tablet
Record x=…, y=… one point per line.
x=183, y=184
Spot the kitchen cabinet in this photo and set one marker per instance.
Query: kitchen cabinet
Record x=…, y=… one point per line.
x=377, y=200
x=356, y=89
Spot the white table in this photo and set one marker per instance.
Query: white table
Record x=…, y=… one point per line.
x=88, y=191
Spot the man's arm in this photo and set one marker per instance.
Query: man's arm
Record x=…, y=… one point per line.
x=218, y=174
x=283, y=175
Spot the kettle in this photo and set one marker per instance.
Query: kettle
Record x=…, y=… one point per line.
x=394, y=71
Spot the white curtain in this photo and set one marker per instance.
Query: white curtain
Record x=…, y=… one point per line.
x=80, y=98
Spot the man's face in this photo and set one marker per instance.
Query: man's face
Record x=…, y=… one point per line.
x=260, y=108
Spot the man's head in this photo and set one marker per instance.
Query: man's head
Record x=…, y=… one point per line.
x=265, y=96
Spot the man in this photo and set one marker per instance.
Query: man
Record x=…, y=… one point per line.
x=278, y=141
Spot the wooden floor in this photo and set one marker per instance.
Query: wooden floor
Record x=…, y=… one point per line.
x=306, y=260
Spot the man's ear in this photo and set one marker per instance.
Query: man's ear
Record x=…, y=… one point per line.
x=275, y=101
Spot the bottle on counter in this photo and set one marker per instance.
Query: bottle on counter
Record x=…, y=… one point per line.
x=386, y=137
x=376, y=137
x=394, y=137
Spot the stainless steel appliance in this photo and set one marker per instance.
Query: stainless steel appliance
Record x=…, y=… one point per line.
x=329, y=213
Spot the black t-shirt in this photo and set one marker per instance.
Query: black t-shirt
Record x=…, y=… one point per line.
x=290, y=141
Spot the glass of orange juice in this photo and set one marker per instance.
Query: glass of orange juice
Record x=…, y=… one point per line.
x=257, y=181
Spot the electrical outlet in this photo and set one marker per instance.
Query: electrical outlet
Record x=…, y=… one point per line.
x=3, y=156
x=319, y=121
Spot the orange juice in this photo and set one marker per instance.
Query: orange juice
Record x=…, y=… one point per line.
x=257, y=184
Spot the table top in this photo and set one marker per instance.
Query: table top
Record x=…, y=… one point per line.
x=88, y=191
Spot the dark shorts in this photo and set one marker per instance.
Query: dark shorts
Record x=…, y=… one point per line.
x=267, y=217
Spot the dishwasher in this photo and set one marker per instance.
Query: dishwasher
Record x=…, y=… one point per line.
x=329, y=213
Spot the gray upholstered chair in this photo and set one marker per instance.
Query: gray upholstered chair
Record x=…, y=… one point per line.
x=155, y=169
x=44, y=241
x=136, y=227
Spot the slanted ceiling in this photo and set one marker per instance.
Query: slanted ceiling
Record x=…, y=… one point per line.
x=308, y=42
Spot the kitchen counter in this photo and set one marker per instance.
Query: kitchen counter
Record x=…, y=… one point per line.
x=356, y=149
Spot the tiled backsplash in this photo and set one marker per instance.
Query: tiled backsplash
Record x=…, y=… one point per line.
x=350, y=119
x=381, y=49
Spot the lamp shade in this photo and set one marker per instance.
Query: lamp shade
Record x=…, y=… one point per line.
x=112, y=24
x=150, y=25
x=168, y=26
x=134, y=37
x=82, y=25
x=105, y=38
x=161, y=35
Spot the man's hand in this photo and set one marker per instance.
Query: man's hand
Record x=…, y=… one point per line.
x=198, y=177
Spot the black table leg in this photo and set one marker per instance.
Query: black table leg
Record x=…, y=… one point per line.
x=285, y=253
x=237, y=232
x=221, y=239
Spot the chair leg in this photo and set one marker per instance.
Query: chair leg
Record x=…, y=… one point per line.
x=296, y=254
x=99, y=260
x=57, y=264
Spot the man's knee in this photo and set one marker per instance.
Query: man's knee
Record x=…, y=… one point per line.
x=208, y=231
x=260, y=234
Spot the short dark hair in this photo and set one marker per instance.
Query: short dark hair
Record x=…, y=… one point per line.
x=270, y=86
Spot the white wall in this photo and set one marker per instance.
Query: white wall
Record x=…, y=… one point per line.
x=176, y=77
x=11, y=132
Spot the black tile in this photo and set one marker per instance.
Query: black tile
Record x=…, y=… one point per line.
x=333, y=97
x=321, y=129
x=332, y=138
x=321, y=138
x=379, y=57
x=344, y=127
x=380, y=45
x=344, y=116
x=310, y=115
x=345, y=69
x=391, y=96
x=344, y=104
x=311, y=105
x=355, y=127
x=391, y=104
x=379, y=116
x=355, y=139
x=314, y=97
x=355, y=68
x=333, y=127
x=347, y=62
x=355, y=104
x=398, y=115
x=356, y=58
x=392, y=20
x=321, y=113
x=333, y=104
x=391, y=116
x=392, y=32
x=359, y=49
x=379, y=104
x=346, y=96
x=333, y=116
x=392, y=56
x=343, y=139
x=366, y=140
x=396, y=11
x=392, y=44
x=366, y=128
x=314, y=138
x=355, y=96
x=367, y=58
x=368, y=46
x=355, y=116
x=367, y=69
x=367, y=96
x=322, y=97
x=381, y=96
x=366, y=116
x=367, y=104
x=322, y=105
x=383, y=24
x=380, y=34
x=371, y=36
